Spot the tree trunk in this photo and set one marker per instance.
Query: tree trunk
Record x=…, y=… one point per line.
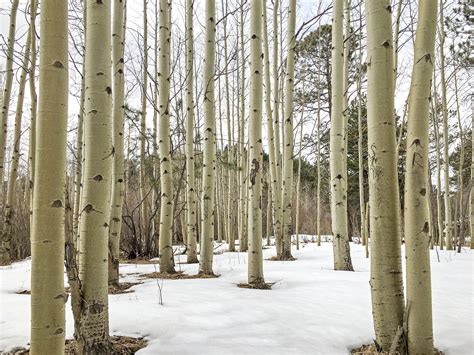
x=386, y=270
x=191, y=195
x=144, y=225
x=34, y=106
x=97, y=174
x=447, y=197
x=9, y=209
x=6, y=96
x=255, y=259
x=460, y=194
x=48, y=298
x=287, y=203
x=166, y=174
x=417, y=234
x=209, y=154
x=341, y=249
x=118, y=42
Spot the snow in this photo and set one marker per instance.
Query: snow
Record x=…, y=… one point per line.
x=310, y=309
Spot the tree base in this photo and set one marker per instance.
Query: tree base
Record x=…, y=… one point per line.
x=256, y=286
x=281, y=258
x=371, y=349
x=193, y=260
x=180, y=275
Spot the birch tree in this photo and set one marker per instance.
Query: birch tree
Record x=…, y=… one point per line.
x=417, y=234
x=47, y=233
x=386, y=272
x=95, y=200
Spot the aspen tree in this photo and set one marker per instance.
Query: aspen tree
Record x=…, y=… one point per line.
x=255, y=260
x=79, y=158
x=417, y=238
x=47, y=233
x=276, y=132
x=166, y=174
x=118, y=45
x=143, y=142
x=439, y=202
x=209, y=153
x=191, y=191
x=155, y=160
x=230, y=143
x=275, y=196
x=6, y=96
x=9, y=208
x=95, y=201
x=386, y=271
x=471, y=193
x=360, y=141
x=318, y=158
x=298, y=186
x=34, y=104
x=244, y=161
x=341, y=249
x=459, y=205
x=447, y=197
x=287, y=204
x=318, y=168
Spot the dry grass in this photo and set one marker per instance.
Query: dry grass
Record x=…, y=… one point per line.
x=180, y=275
x=370, y=349
x=119, y=344
x=276, y=258
x=123, y=287
x=138, y=261
x=260, y=286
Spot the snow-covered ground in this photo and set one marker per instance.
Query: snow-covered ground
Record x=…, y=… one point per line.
x=311, y=309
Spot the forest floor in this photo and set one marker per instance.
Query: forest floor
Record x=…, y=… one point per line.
x=310, y=309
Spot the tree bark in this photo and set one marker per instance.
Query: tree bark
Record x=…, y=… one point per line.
x=165, y=242
x=255, y=259
x=118, y=173
x=386, y=270
x=97, y=176
x=48, y=298
x=417, y=234
x=287, y=203
x=341, y=249
x=6, y=96
x=209, y=154
x=191, y=196
x=447, y=197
